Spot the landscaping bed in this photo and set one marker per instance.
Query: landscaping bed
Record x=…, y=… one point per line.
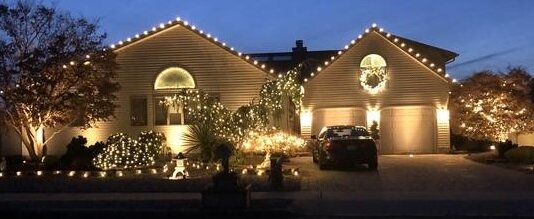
x=492, y=158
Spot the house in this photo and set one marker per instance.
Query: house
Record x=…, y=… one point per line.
x=399, y=83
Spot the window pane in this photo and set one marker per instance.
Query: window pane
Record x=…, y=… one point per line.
x=138, y=111
x=160, y=111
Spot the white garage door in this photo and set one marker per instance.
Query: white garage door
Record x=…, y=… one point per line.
x=337, y=116
x=408, y=130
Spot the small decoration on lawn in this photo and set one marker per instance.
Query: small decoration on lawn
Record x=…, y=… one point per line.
x=180, y=167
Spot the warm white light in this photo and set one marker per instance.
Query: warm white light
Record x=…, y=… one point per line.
x=305, y=80
x=373, y=25
x=396, y=40
x=103, y=174
x=446, y=75
x=296, y=173
x=388, y=35
x=145, y=32
x=306, y=118
x=119, y=173
x=112, y=46
x=39, y=173
x=454, y=81
x=367, y=30
x=381, y=30
x=346, y=46
x=19, y=173
x=373, y=115
x=193, y=27
x=319, y=68
x=71, y=173
x=360, y=36
x=417, y=55
x=186, y=23
x=492, y=147
x=411, y=155
x=352, y=41
x=402, y=44
x=432, y=65
x=178, y=19
x=410, y=50
x=85, y=175
x=440, y=70
x=442, y=115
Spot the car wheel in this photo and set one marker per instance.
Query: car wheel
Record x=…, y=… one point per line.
x=322, y=161
x=373, y=165
x=314, y=156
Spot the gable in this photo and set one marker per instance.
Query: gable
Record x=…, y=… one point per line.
x=410, y=81
x=216, y=69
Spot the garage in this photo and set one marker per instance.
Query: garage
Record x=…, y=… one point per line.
x=337, y=116
x=408, y=130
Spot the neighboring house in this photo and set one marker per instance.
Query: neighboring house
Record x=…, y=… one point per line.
x=380, y=77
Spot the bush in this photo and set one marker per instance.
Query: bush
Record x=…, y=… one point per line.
x=503, y=147
x=122, y=152
x=521, y=155
x=464, y=143
x=79, y=156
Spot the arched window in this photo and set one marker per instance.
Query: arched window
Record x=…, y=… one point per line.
x=174, y=78
x=168, y=81
x=373, y=73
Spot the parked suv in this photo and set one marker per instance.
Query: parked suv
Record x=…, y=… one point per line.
x=344, y=145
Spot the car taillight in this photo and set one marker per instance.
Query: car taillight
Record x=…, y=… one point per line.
x=328, y=146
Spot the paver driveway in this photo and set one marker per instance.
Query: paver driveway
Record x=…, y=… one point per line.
x=420, y=173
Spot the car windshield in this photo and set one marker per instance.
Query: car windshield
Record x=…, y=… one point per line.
x=346, y=132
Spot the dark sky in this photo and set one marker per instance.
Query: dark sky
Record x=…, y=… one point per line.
x=488, y=34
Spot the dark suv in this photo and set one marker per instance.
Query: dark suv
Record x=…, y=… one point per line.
x=348, y=145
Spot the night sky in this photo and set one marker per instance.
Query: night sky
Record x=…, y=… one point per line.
x=488, y=34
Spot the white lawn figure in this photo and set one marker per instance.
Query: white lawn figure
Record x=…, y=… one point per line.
x=180, y=166
x=3, y=164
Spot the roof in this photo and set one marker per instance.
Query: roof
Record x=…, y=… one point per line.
x=429, y=56
x=312, y=62
x=179, y=22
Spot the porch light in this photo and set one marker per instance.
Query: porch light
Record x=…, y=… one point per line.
x=373, y=115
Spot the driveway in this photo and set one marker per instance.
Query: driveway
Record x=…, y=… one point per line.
x=417, y=173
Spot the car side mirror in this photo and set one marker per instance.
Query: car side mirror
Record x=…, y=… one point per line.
x=314, y=137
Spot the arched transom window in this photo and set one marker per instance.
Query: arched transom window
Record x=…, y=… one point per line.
x=174, y=78
x=373, y=73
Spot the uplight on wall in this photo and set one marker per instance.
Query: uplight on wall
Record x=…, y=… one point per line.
x=306, y=118
x=442, y=115
x=373, y=115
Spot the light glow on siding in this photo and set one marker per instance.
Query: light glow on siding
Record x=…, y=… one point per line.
x=306, y=119
x=174, y=78
x=442, y=115
x=373, y=115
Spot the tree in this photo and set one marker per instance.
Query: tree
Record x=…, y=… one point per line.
x=491, y=105
x=54, y=71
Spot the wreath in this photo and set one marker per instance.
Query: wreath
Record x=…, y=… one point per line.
x=373, y=79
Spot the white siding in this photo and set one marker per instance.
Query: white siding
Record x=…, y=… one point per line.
x=214, y=69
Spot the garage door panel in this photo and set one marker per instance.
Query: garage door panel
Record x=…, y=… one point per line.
x=408, y=130
x=337, y=116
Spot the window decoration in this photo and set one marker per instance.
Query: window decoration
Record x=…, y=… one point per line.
x=174, y=78
x=373, y=73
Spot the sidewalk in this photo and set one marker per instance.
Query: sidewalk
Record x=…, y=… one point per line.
x=441, y=204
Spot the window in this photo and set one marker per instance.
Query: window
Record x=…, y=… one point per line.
x=373, y=73
x=168, y=115
x=174, y=78
x=168, y=83
x=138, y=111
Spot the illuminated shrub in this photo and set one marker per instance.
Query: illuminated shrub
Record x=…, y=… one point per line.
x=272, y=143
x=122, y=152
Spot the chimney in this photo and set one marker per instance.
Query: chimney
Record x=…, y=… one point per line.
x=299, y=51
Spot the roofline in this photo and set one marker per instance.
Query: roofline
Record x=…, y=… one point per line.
x=178, y=22
x=400, y=44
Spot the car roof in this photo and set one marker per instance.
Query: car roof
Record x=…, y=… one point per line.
x=344, y=126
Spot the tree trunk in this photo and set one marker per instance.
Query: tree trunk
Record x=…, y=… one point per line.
x=33, y=142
